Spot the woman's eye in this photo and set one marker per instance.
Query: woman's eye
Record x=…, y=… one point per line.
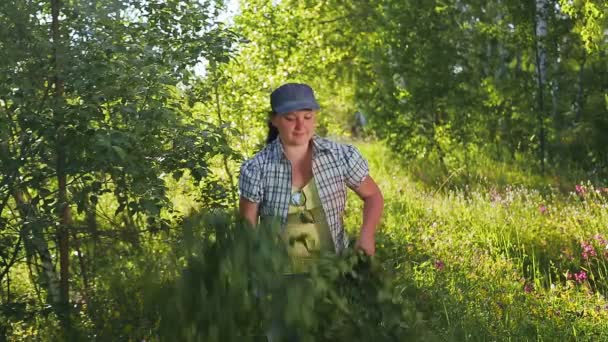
x=308, y=117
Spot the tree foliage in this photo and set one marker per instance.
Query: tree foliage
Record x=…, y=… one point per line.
x=439, y=77
x=94, y=113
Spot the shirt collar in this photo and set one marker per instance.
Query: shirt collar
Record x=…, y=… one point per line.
x=318, y=144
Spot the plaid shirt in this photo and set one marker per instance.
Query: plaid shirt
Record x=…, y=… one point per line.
x=266, y=179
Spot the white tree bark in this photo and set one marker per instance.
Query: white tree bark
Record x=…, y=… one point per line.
x=34, y=236
x=542, y=28
x=541, y=31
x=579, y=103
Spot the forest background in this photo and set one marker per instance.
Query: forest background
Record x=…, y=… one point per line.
x=123, y=124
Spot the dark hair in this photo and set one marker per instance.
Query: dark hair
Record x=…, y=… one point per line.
x=273, y=132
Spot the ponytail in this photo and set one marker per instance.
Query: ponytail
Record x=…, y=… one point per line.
x=273, y=132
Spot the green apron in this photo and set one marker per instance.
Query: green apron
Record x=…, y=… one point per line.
x=307, y=234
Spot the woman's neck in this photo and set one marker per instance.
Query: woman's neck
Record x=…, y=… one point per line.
x=300, y=157
x=297, y=153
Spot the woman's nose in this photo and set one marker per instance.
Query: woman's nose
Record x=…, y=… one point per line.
x=299, y=123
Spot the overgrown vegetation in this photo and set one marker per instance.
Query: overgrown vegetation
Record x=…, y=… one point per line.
x=497, y=263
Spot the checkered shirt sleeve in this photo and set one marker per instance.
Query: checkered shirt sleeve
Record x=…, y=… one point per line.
x=356, y=167
x=250, y=182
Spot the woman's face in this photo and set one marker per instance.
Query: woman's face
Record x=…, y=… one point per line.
x=295, y=128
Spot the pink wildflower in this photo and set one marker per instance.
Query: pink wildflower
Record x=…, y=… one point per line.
x=588, y=250
x=580, y=190
x=528, y=288
x=543, y=209
x=580, y=276
x=439, y=265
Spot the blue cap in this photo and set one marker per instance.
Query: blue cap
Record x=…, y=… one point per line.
x=291, y=97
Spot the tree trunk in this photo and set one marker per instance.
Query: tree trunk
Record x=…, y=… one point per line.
x=502, y=52
x=84, y=274
x=63, y=208
x=579, y=104
x=555, y=112
x=541, y=30
x=218, y=108
x=555, y=92
x=33, y=236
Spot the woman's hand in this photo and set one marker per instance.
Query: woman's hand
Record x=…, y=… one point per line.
x=367, y=243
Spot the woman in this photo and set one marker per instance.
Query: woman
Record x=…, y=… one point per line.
x=301, y=179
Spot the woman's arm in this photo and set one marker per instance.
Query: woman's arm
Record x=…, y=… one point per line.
x=373, y=204
x=249, y=210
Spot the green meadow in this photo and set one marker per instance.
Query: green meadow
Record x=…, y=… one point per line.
x=513, y=262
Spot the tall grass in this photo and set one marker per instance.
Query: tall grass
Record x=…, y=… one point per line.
x=510, y=262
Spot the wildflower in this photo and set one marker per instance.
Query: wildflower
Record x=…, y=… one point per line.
x=580, y=190
x=495, y=196
x=600, y=239
x=543, y=209
x=588, y=250
x=528, y=288
x=439, y=265
x=580, y=276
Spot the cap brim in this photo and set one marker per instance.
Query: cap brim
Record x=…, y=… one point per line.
x=296, y=105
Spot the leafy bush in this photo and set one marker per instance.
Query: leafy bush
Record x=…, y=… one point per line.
x=234, y=288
